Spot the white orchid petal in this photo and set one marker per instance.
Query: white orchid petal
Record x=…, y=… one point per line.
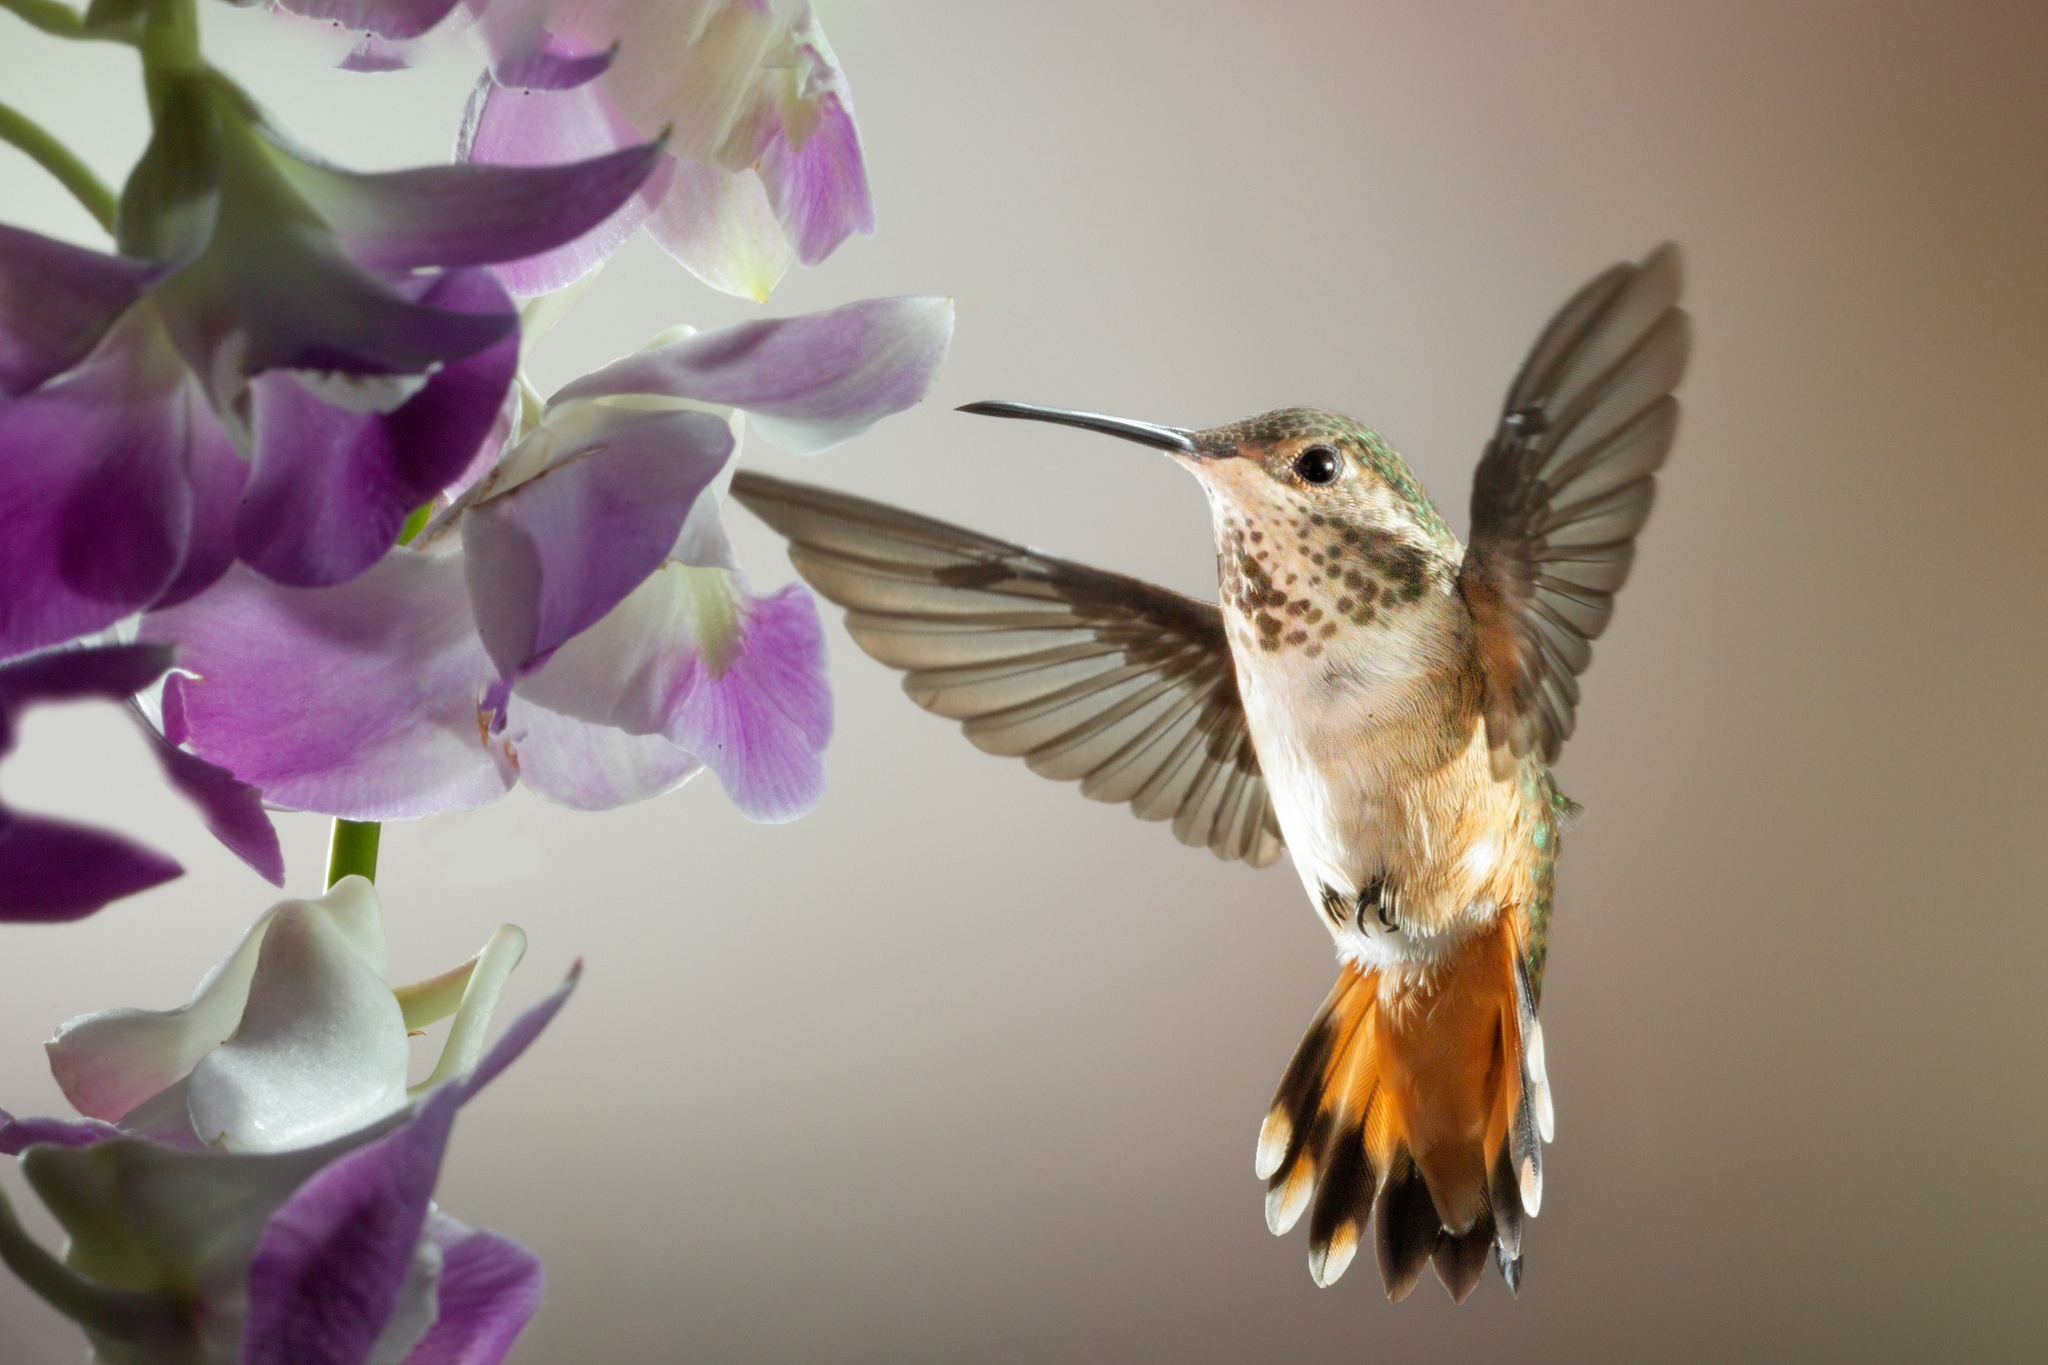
x=412, y=1317
x=352, y=904
x=719, y=225
x=699, y=70
x=110, y=1061
x=587, y=766
x=143, y=1217
x=322, y=1047
x=434, y=999
x=165, y=1117
x=473, y=1017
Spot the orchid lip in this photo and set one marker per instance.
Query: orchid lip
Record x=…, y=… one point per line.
x=1144, y=433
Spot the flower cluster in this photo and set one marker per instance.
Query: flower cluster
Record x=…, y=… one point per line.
x=274, y=479
x=575, y=618
x=764, y=161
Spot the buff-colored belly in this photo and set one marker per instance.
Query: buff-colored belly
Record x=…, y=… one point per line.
x=1389, y=785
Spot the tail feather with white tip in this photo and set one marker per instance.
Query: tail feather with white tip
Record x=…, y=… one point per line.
x=1420, y=1105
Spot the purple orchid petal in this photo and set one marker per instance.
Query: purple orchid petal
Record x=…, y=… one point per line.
x=762, y=725
x=218, y=475
x=358, y=700
x=331, y=487
x=587, y=766
x=96, y=500
x=549, y=61
x=490, y=1288
x=17, y=1135
x=375, y=55
x=334, y=1258
x=737, y=680
x=233, y=809
x=505, y=127
x=52, y=871
x=385, y=18
x=274, y=291
x=276, y=288
x=468, y=214
x=552, y=556
x=815, y=173
x=808, y=382
x=56, y=302
x=519, y=1035
x=103, y=673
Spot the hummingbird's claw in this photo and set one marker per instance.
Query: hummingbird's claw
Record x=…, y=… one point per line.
x=1385, y=903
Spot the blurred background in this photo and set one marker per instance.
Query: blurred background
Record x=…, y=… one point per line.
x=964, y=1067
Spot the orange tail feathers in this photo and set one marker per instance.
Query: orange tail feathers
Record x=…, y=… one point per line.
x=1419, y=1105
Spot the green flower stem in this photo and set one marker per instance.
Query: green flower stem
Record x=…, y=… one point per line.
x=353, y=850
x=170, y=38
x=53, y=156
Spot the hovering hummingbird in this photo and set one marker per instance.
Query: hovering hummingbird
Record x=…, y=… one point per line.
x=1381, y=700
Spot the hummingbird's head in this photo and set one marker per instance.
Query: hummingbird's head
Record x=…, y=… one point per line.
x=1307, y=470
x=1316, y=517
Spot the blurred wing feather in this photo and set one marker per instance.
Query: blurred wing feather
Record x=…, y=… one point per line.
x=1565, y=485
x=1087, y=676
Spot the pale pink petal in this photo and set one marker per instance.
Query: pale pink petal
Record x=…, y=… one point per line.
x=720, y=226
x=808, y=383
x=490, y=1287
x=587, y=766
x=816, y=175
x=549, y=557
x=737, y=680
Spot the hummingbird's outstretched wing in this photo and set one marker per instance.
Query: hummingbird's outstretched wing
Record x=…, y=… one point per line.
x=1083, y=674
x=1565, y=485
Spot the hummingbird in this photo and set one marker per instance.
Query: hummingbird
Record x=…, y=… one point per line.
x=1368, y=694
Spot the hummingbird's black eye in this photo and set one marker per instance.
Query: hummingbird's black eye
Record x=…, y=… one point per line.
x=1318, y=465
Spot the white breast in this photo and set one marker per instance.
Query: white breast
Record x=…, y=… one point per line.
x=1331, y=735
x=1313, y=732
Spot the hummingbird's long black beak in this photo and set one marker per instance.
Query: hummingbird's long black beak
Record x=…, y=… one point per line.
x=1144, y=433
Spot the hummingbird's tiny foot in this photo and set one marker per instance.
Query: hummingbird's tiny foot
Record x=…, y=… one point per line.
x=1385, y=903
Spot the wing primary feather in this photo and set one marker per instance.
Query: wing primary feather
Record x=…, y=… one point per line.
x=1085, y=674
x=1563, y=489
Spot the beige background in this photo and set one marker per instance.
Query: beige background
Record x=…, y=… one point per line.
x=963, y=1067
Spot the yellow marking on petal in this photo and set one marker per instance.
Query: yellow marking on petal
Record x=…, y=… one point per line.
x=710, y=601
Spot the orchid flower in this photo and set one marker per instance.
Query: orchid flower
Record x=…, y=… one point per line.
x=765, y=163
x=575, y=619
x=253, y=1179
x=52, y=870
x=286, y=359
